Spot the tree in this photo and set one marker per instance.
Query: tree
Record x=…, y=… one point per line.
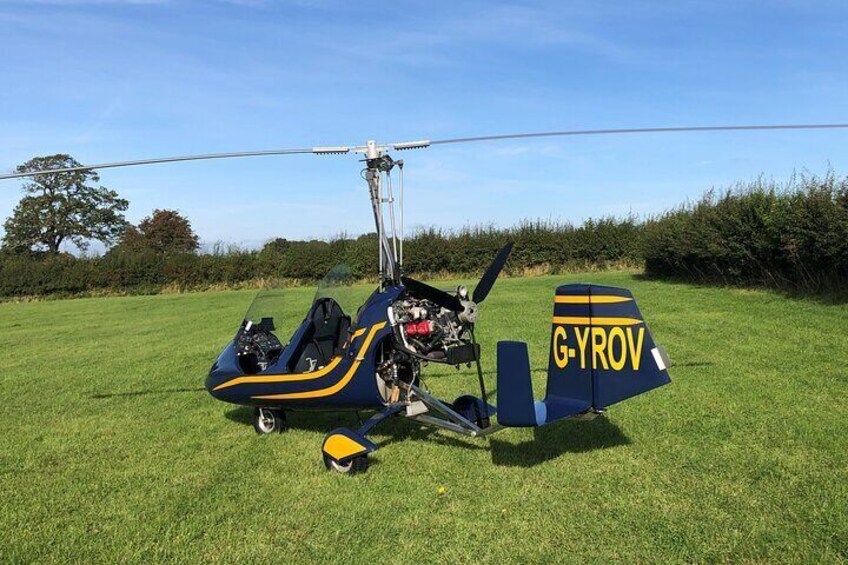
x=164, y=232
x=61, y=207
x=276, y=246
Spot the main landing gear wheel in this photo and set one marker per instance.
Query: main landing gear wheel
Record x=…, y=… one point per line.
x=267, y=421
x=472, y=408
x=358, y=464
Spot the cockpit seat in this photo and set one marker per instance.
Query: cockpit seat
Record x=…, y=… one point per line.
x=327, y=333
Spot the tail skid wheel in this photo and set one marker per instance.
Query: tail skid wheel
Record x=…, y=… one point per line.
x=351, y=467
x=267, y=421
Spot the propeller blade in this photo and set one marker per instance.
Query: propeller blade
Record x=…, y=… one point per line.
x=487, y=281
x=433, y=294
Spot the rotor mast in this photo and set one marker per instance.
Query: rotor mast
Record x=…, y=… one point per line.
x=377, y=174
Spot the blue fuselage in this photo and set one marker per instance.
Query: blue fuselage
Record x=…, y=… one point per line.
x=347, y=380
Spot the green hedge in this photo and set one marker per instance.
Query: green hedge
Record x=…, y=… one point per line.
x=543, y=245
x=794, y=235
x=791, y=236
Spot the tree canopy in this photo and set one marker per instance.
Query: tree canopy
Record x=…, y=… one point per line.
x=164, y=232
x=60, y=207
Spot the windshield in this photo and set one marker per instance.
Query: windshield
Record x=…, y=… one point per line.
x=285, y=307
x=279, y=309
x=268, y=303
x=338, y=285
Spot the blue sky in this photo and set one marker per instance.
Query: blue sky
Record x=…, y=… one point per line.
x=111, y=80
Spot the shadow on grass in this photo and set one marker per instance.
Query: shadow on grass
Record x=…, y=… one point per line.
x=401, y=429
x=312, y=420
x=551, y=441
x=397, y=428
x=322, y=421
x=147, y=392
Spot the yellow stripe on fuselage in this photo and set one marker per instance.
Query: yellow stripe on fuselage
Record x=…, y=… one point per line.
x=330, y=390
x=355, y=335
x=283, y=378
x=590, y=299
x=594, y=321
x=289, y=377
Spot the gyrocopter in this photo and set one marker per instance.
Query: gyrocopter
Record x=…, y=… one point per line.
x=601, y=351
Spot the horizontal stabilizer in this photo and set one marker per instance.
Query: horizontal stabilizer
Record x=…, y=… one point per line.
x=516, y=406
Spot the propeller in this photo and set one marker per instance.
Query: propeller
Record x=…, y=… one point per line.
x=481, y=291
x=440, y=297
x=487, y=281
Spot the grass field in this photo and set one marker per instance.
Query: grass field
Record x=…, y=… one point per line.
x=111, y=449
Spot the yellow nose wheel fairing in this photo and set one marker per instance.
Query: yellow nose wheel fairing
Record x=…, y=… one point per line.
x=342, y=445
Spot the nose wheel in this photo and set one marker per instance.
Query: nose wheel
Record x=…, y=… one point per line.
x=351, y=467
x=268, y=421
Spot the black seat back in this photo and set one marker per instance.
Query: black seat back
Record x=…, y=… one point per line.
x=329, y=331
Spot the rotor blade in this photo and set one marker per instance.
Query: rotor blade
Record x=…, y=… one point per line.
x=440, y=297
x=426, y=143
x=487, y=281
x=623, y=131
x=317, y=150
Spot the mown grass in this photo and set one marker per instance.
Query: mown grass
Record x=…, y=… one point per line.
x=112, y=451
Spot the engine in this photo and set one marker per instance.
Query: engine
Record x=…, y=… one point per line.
x=428, y=331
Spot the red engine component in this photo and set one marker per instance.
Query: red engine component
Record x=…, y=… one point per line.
x=421, y=328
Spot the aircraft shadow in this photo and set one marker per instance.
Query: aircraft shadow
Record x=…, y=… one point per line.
x=392, y=430
x=551, y=441
x=313, y=420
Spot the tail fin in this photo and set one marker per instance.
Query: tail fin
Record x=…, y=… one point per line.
x=601, y=353
x=601, y=346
